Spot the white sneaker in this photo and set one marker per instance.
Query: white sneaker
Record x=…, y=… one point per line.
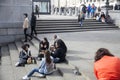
x=17, y=64
x=41, y=75
x=26, y=78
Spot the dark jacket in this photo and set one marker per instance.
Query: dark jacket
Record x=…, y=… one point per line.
x=62, y=45
x=43, y=47
x=33, y=22
x=23, y=56
x=59, y=53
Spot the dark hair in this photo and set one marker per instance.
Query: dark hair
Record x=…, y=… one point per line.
x=47, y=56
x=25, y=45
x=26, y=15
x=45, y=39
x=102, y=52
x=55, y=36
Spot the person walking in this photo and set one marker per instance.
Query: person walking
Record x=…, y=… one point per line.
x=88, y=10
x=37, y=10
x=106, y=65
x=81, y=18
x=26, y=26
x=33, y=25
x=93, y=9
x=46, y=67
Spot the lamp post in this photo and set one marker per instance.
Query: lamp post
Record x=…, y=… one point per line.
x=107, y=7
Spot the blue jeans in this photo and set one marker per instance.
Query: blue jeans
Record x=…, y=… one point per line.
x=56, y=60
x=80, y=23
x=40, y=70
x=33, y=71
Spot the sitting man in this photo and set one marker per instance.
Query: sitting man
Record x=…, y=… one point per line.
x=59, y=52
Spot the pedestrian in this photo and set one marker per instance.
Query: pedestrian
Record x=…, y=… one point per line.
x=84, y=9
x=37, y=10
x=88, y=10
x=81, y=18
x=46, y=67
x=93, y=9
x=25, y=27
x=33, y=24
x=106, y=65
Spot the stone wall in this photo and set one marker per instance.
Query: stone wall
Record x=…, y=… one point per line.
x=11, y=18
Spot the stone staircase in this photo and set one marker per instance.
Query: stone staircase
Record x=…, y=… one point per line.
x=8, y=71
x=70, y=25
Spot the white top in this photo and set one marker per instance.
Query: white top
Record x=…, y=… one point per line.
x=26, y=23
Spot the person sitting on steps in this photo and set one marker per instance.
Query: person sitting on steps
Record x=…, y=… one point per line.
x=24, y=55
x=44, y=45
x=59, y=52
x=46, y=67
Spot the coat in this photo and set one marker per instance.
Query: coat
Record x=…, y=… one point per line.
x=23, y=56
x=26, y=23
x=107, y=68
x=59, y=53
x=33, y=21
x=45, y=46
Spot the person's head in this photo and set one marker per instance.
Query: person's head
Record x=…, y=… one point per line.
x=45, y=39
x=47, y=57
x=55, y=37
x=26, y=15
x=102, y=52
x=25, y=47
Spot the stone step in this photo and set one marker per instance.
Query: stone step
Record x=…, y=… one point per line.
x=75, y=30
x=65, y=69
x=71, y=28
x=19, y=72
x=6, y=70
x=76, y=25
x=66, y=20
x=85, y=64
x=70, y=23
x=67, y=72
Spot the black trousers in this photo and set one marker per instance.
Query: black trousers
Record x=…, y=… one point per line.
x=33, y=30
x=26, y=35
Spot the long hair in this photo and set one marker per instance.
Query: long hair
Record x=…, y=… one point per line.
x=102, y=52
x=47, y=57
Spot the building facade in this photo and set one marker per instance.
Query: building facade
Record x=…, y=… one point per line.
x=73, y=6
